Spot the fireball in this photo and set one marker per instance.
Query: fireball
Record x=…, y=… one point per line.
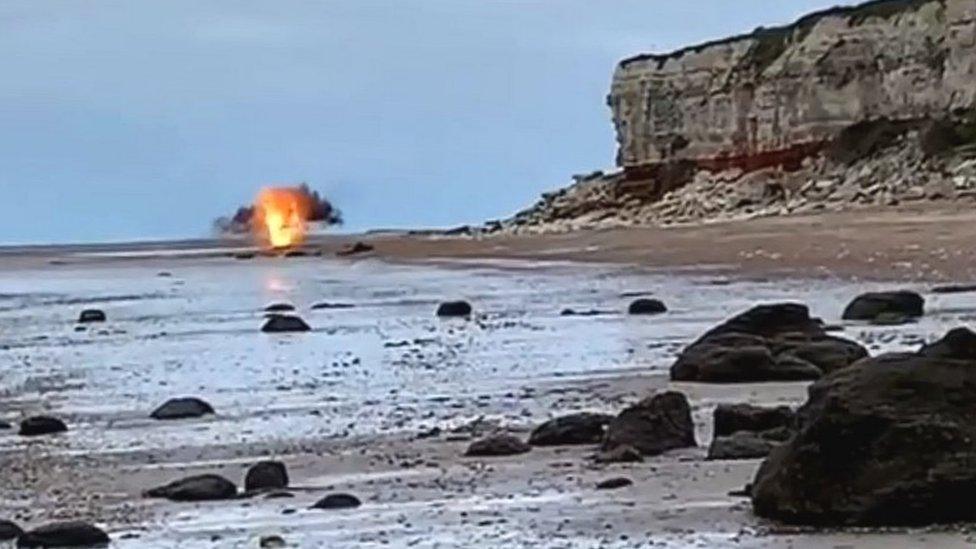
x=281, y=216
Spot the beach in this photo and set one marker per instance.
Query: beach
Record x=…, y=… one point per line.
x=381, y=398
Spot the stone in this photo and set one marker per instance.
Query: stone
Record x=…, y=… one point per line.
x=623, y=453
x=64, y=534
x=777, y=342
x=279, y=308
x=337, y=501
x=614, y=483
x=9, y=530
x=5, y=425
x=581, y=428
x=870, y=305
x=277, y=323
x=646, y=306
x=355, y=249
x=954, y=289
x=271, y=542
x=266, y=475
x=587, y=312
x=454, y=309
x=195, y=488
x=497, y=445
x=41, y=425
x=741, y=445
x=888, y=441
x=182, y=408
x=654, y=425
x=91, y=315
x=731, y=418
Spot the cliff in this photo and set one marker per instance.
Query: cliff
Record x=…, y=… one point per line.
x=780, y=94
x=870, y=105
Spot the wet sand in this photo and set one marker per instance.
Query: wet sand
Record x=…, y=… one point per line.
x=345, y=405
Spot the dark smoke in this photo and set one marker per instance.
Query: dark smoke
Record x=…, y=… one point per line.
x=322, y=212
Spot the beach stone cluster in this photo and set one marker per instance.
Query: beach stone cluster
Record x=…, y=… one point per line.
x=778, y=342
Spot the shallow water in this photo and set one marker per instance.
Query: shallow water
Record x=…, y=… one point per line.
x=386, y=365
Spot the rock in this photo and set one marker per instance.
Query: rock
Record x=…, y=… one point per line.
x=9, y=530
x=778, y=342
x=497, y=445
x=647, y=307
x=582, y=428
x=244, y=255
x=5, y=425
x=337, y=501
x=41, y=425
x=91, y=315
x=891, y=319
x=354, y=249
x=271, y=542
x=327, y=305
x=620, y=454
x=64, y=534
x=954, y=289
x=454, y=309
x=868, y=306
x=654, y=425
x=296, y=253
x=959, y=343
x=266, y=475
x=195, y=488
x=277, y=323
x=614, y=483
x=888, y=441
x=182, y=408
x=731, y=418
x=279, y=308
x=741, y=445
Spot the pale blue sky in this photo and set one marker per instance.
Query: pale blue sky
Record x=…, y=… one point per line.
x=146, y=119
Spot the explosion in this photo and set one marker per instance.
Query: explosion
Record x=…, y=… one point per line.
x=281, y=216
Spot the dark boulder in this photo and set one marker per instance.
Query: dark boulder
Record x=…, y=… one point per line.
x=497, y=445
x=454, y=309
x=731, y=418
x=9, y=530
x=747, y=444
x=870, y=305
x=278, y=323
x=64, y=534
x=586, y=312
x=959, y=344
x=5, y=425
x=195, y=488
x=620, y=454
x=614, y=483
x=41, y=425
x=890, y=440
x=337, y=501
x=954, y=289
x=778, y=342
x=355, y=249
x=654, y=425
x=182, y=408
x=647, y=307
x=266, y=475
x=91, y=315
x=279, y=308
x=582, y=428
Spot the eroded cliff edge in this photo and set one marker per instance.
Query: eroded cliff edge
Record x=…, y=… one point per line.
x=852, y=106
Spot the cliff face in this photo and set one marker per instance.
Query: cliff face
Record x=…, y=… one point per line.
x=779, y=95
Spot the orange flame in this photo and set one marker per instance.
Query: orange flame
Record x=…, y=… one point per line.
x=281, y=216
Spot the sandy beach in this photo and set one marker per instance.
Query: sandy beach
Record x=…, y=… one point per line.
x=381, y=399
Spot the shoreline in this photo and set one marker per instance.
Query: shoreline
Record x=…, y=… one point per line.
x=921, y=244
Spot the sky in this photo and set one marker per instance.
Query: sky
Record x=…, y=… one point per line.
x=125, y=120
